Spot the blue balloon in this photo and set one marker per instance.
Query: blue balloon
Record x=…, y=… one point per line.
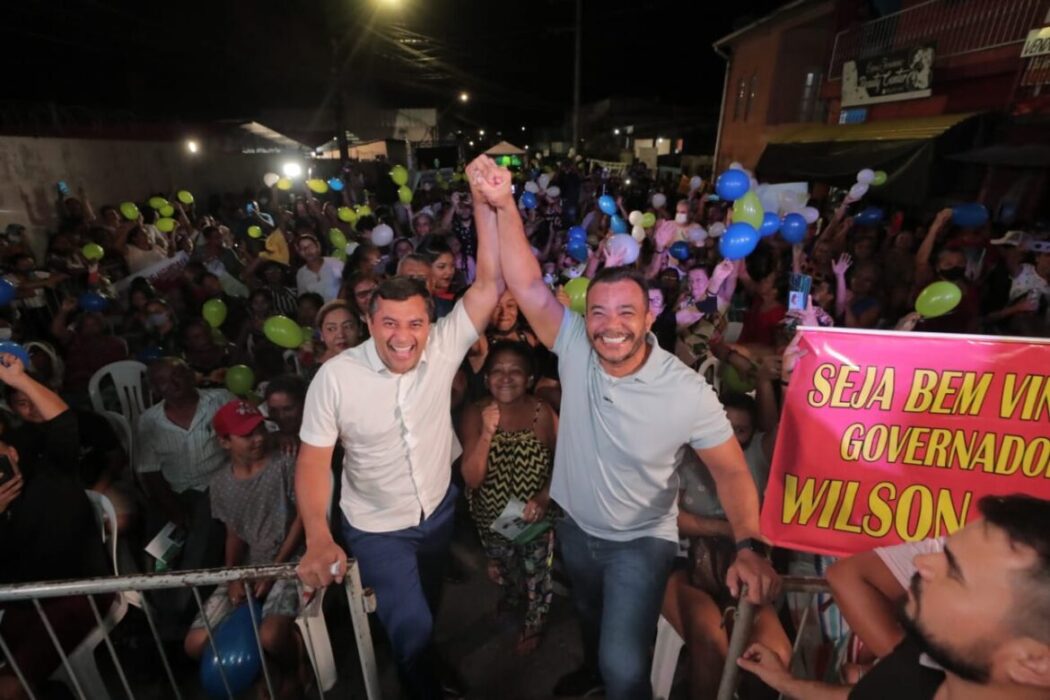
x=679, y=250
x=335, y=184
x=7, y=292
x=12, y=348
x=617, y=224
x=770, y=224
x=93, y=301
x=577, y=234
x=972, y=215
x=793, y=228
x=528, y=200
x=607, y=204
x=578, y=251
x=732, y=184
x=738, y=241
x=238, y=653
x=871, y=216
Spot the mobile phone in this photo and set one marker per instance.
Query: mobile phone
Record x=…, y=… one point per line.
x=7, y=471
x=798, y=291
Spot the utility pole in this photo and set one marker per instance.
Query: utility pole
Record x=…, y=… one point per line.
x=576, y=77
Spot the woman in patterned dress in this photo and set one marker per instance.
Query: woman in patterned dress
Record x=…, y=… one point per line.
x=508, y=451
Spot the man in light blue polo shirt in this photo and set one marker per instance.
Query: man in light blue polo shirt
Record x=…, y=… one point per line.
x=628, y=411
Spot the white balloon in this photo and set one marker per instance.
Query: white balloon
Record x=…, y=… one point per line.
x=544, y=180
x=716, y=229
x=695, y=182
x=735, y=165
x=810, y=214
x=553, y=192
x=697, y=234
x=865, y=176
x=624, y=246
x=754, y=184
x=531, y=186
x=638, y=233
x=659, y=200
x=858, y=191
x=270, y=179
x=635, y=218
x=382, y=235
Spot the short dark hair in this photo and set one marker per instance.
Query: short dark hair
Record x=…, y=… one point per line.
x=741, y=402
x=291, y=384
x=1024, y=520
x=433, y=247
x=514, y=347
x=401, y=288
x=311, y=297
x=416, y=256
x=610, y=275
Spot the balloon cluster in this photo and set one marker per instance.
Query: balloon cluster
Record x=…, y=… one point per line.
x=399, y=174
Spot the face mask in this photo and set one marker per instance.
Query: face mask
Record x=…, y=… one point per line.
x=681, y=218
x=157, y=320
x=5, y=334
x=952, y=274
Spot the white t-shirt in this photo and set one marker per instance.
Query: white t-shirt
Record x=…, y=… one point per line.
x=139, y=259
x=396, y=428
x=326, y=281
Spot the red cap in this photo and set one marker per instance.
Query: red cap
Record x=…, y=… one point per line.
x=238, y=418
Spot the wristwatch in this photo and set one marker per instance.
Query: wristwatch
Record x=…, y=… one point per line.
x=757, y=546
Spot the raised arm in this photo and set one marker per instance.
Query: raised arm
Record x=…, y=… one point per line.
x=923, y=271
x=518, y=265
x=481, y=298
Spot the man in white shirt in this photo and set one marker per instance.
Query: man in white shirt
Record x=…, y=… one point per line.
x=388, y=402
x=320, y=274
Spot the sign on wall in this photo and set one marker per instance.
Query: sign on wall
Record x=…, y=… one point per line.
x=906, y=74
x=1037, y=43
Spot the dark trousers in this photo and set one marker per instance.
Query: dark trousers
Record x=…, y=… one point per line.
x=405, y=568
x=617, y=589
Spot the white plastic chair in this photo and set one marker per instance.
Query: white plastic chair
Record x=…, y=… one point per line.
x=665, y=659
x=314, y=629
x=709, y=370
x=128, y=378
x=82, y=660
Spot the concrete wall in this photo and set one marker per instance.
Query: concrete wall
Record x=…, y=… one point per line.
x=111, y=172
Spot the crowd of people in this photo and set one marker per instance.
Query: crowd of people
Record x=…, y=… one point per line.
x=446, y=364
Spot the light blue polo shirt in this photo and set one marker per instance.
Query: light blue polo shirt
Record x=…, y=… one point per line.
x=620, y=438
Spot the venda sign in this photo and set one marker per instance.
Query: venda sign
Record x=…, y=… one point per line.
x=1037, y=43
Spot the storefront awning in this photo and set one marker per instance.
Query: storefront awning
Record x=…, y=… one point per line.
x=905, y=148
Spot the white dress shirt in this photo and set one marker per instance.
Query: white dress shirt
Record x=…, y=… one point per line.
x=396, y=428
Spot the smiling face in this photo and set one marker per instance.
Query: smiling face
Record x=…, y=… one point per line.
x=442, y=271
x=617, y=321
x=508, y=377
x=400, y=330
x=505, y=315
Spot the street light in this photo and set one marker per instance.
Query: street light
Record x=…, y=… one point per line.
x=192, y=146
x=481, y=132
x=616, y=132
x=464, y=97
x=471, y=144
x=523, y=128
x=292, y=170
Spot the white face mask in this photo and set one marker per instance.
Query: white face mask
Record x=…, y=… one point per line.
x=5, y=334
x=681, y=218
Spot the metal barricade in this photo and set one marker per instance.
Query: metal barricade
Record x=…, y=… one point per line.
x=83, y=686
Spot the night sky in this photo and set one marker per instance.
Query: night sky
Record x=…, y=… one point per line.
x=194, y=59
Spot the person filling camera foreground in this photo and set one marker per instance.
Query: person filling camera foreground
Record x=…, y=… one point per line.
x=976, y=618
x=628, y=410
x=397, y=499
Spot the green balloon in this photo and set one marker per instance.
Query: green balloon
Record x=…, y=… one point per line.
x=283, y=332
x=346, y=215
x=879, y=179
x=734, y=383
x=184, y=196
x=648, y=219
x=157, y=202
x=165, y=224
x=92, y=251
x=577, y=291
x=938, y=299
x=749, y=210
x=337, y=238
x=364, y=210
x=404, y=194
x=240, y=379
x=166, y=211
x=399, y=175
x=129, y=210
x=254, y=232
x=214, y=312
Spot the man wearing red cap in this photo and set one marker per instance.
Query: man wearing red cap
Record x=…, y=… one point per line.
x=254, y=497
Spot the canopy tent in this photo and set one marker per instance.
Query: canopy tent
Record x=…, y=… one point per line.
x=505, y=148
x=1029, y=155
x=905, y=148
